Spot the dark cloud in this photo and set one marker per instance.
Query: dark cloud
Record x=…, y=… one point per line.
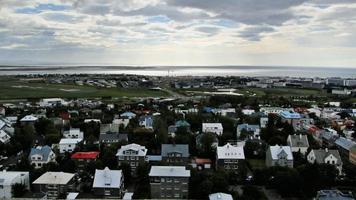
x=245, y=11
x=255, y=33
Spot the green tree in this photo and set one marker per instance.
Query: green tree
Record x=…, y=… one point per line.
x=18, y=190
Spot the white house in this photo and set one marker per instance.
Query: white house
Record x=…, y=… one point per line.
x=108, y=183
x=216, y=128
x=68, y=144
x=325, y=156
x=41, y=155
x=220, y=196
x=248, y=111
x=279, y=156
x=73, y=133
x=10, y=178
x=4, y=137
x=229, y=156
x=28, y=119
x=263, y=122
x=51, y=102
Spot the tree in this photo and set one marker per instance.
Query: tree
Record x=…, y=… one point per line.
x=18, y=190
x=126, y=170
x=252, y=193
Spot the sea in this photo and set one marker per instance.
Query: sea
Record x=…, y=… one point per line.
x=251, y=71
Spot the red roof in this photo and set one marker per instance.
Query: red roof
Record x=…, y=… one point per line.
x=86, y=155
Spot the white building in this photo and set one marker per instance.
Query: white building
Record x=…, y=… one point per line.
x=10, y=178
x=279, y=156
x=263, y=122
x=220, y=196
x=229, y=156
x=216, y=128
x=274, y=110
x=29, y=119
x=108, y=183
x=4, y=137
x=51, y=102
x=41, y=155
x=248, y=111
x=68, y=144
x=73, y=133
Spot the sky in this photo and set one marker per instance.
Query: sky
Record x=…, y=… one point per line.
x=178, y=32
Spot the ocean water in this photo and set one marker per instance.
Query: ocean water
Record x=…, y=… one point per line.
x=185, y=70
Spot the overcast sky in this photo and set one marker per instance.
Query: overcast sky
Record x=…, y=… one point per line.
x=179, y=32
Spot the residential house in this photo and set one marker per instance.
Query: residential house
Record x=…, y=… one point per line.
x=180, y=124
x=169, y=182
x=247, y=111
x=29, y=119
x=254, y=129
x=333, y=195
x=352, y=156
x=128, y=115
x=146, y=121
x=132, y=154
x=274, y=110
x=220, y=196
x=111, y=138
x=344, y=146
x=52, y=102
x=263, y=122
x=279, y=156
x=229, y=157
x=325, y=156
x=10, y=178
x=68, y=144
x=55, y=185
x=328, y=138
x=298, y=143
x=74, y=133
x=41, y=155
x=290, y=117
x=108, y=183
x=216, y=128
x=83, y=158
x=175, y=154
x=4, y=137
x=201, y=163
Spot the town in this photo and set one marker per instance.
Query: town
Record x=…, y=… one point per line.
x=140, y=137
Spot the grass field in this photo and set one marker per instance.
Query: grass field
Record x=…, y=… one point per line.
x=259, y=92
x=256, y=163
x=17, y=89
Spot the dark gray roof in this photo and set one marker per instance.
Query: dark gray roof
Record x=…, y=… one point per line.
x=113, y=136
x=333, y=195
x=179, y=148
x=321, y=154
x=298, y=141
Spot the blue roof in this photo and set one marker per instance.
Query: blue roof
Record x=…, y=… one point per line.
x=345, y=143
x=44, y=151
x=248, y=127
x=208, y=109
x=128, y=114
x=182, y=123
x=290, y=115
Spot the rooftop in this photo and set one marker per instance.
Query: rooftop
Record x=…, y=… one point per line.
x=169, y=171
x=85, y=155
x=57, y=178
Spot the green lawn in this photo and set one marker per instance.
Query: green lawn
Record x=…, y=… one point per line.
x=282, y=91
x=17, y=89
x=256, y=163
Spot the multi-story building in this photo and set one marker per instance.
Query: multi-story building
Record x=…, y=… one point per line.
x=216, y=128
x=298, y=143
x=133, y=154
x=68, y=144
x=40, y=156
x=83, y=158
x=108, y=183
x=290, y=117
x=325, y=156
x=169, y=182
x=175, y=154
x=55, y=185
x=229, y=157
x=279, y=156
x=74, y=133
x=10, y=178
